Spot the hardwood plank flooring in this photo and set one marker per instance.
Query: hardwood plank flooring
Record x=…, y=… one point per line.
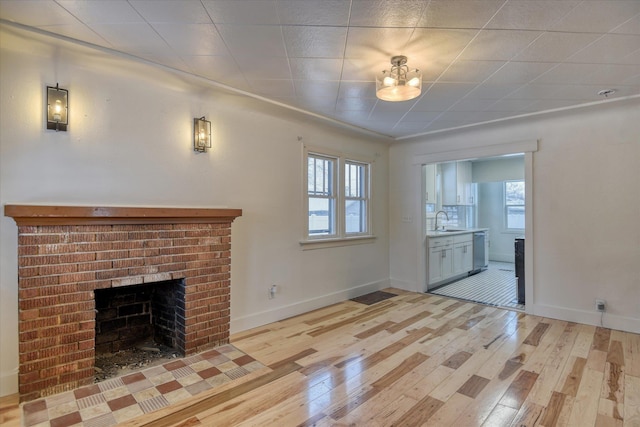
x=417, y=359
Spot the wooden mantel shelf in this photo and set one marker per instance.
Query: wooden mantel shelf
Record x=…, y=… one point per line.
x=106, y=215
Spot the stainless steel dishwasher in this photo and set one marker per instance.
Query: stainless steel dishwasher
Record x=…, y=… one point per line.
x=478, y=252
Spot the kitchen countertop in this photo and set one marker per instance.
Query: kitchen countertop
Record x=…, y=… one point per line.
x=454, y=231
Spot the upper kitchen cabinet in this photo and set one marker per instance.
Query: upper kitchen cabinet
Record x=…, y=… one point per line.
x=430, y=184
x=457, y=188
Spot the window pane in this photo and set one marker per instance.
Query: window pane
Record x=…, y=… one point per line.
x=514, y=192
x=321, y=217
x=515, y=216
x=319, y=176
x=354, y=180
x=356, y=216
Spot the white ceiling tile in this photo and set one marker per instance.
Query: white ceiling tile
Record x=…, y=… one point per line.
x=77, y=31
x=555, y=47
x=318, y=104
x=598, y=16
x=314, y=12
x=608, y=48
x=386, y=13
x=470, y=71
x=355, y=104
x=192, y=39
x=171, y=11
x=35, y=13
x=632, y=26
x=354, y=89
x=531, y=14
x=427, y=45
x=471, y=104
x=492, y=91
x=134, y=38
x=363, y=69
x=102, y=12
x=268, y=88
x=441, y=96
x=222, y=69
x=519, y=72
x=565, y=74
x=548, y=104
x=268, y=67
x=315, y=42
x=610, y=74
x=253, y=40
x=632, y=58
x=459, y=13
x=316, y=88
x=258, y=12
x=498, y=45
x=377, y=42
x=315, y=68
x=421, y=116
x=509, y=105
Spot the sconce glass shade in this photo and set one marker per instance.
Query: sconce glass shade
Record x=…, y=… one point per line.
x=57, y=108
x=399, y=83
x=201, y=134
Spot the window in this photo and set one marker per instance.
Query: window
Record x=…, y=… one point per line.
x=321, y=194
x=514, y=204
x=356, y=197
x=337, y=197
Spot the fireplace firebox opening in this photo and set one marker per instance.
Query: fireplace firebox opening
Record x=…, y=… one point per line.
x=130, y=315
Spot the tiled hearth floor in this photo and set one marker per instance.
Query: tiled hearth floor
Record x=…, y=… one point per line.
x=119, y=399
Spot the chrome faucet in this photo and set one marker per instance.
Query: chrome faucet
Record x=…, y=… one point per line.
x=445, y=214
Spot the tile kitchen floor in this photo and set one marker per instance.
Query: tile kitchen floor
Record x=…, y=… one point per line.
x=123, y=398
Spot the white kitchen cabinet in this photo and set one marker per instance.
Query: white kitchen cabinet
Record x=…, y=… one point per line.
x=440, y=259
x=465, y=194
x=457, y=188
x=430, y=183
x=462, y=254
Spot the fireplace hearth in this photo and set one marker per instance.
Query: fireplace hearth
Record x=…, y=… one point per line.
x=67, y=254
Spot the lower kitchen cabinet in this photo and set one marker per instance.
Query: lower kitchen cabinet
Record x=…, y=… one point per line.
x=449, y=257
x=462, y=254
x=440, y=259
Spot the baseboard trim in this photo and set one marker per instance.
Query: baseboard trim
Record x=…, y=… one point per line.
x=9, y=383
x=275, y=314
x=611, y=321
x=404, y=285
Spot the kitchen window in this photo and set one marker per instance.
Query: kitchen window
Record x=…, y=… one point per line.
x=337, y=197
x=514, y=205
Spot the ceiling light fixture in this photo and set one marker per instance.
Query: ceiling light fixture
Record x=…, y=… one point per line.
x=399, y=83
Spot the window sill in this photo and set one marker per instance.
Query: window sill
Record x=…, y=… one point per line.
x=335, y=242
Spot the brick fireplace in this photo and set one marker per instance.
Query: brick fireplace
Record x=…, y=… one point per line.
x=65, y=253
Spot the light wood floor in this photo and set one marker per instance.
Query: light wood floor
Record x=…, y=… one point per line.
x=419, y=359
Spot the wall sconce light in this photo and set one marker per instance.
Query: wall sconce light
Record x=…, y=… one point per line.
x=201, y=134
x=57, y=108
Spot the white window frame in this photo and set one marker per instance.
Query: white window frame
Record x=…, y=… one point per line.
x=505, y=210
x=340, y=237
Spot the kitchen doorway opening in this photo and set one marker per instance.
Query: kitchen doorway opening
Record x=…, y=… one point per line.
x=460, y=198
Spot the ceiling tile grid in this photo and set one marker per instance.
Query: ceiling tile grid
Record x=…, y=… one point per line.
x=481, y=60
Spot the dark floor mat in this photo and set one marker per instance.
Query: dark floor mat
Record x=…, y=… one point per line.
x=374, y=297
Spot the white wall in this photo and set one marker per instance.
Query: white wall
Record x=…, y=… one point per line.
x=586, y=205
x=130, y=143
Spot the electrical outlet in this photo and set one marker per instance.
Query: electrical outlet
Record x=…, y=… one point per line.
x=272, y=291
x=601, y=305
